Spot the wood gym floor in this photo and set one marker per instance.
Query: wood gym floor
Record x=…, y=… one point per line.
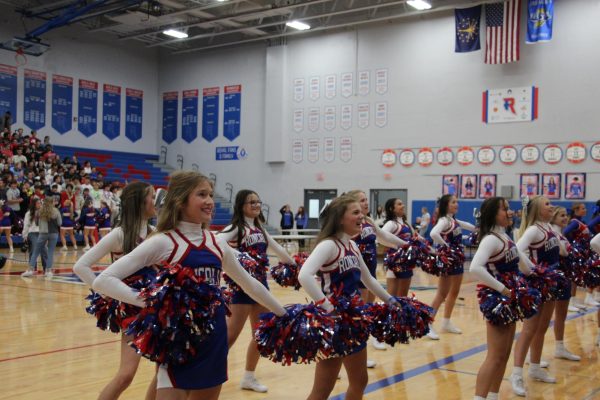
x=51, y=349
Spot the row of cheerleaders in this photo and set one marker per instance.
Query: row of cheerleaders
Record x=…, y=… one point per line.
x=165, y=295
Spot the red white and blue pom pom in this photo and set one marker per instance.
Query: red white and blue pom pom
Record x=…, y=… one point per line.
x=447, y=260
x=398, y=323
x=592, y=272
x=112, y=314
x=473, y=238
x=286, y=275
x=181, y=312
x=301, y=336
x=352, y=325
x=407, y=257
x=252, y=266
x=547, y=281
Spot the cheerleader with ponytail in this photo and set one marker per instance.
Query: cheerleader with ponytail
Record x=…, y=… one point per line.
x=186, y=245
x=503, y=293
x=447, y=234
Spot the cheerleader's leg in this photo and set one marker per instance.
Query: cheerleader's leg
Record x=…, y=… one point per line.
x=128, y=366
x=495, y=359
x=356, y=368
x=326, y=374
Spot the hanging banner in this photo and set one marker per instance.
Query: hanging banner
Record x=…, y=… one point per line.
x=552, y=154
x=330, y=86
x=530, y=154
x=298, y=122
x=364, y=82
x=595, y=151
x=232, y=100
x=8, y=91
x=576, y=152
x=381, y=81
x=510, y=105
x=388, y=158
x=313, y=150
x=111, y=111
x=381, y=114
x=486, y=155
x=363, y=111
x=465, y=156
x=34, y=96
x=540, y=16
x=170, y=104
x=407, y=157
x=508, y=155
x=87, y=114
x=425, y=157
x=346, y=148
x=298, y=89
x=314, y=88
x=134, y=112
x=189, y=115
x=329, y=117
x=329, y=149
x=445, y=156
x=62, y=103
x=347, y=84
x=313, y=119
x=210, y=113
x=346, y=116
x=297, y=150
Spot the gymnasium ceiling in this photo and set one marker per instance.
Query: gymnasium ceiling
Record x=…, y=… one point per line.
x=214, y=24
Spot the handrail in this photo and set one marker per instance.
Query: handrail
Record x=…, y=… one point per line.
x=229, y=188
x=180, y=161
x=195, y=167
x=266, y=210
x=163, y=154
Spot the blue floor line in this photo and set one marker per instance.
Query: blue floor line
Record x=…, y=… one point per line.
x=372, y=387
x=458, y=372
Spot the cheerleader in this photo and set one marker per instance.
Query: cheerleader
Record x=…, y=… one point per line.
x=338, y=262
x=595, y=244
x=138, y=208
x=6, y=224
x=66, y=211
x=536, y=237
x=366, y=241
x=247, y=235
x=561, y=307
x=88, y=217
x=448, y=232
x=103, y=217
x=183, y=239
x=496, y=262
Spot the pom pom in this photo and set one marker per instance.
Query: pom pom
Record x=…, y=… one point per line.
x=112, y=314
x=501, y=310
x=413, y=254
x=286, y=275
x=352, y=325
x=473, y=238
x=181, y=312
x=301, y=336
x=447, y=260
x=398, y=323
x=548, y=281
x=255, y=268
x=369, y=255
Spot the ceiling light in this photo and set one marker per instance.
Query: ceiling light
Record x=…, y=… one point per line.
x=176, y=34
x=221, y=1
x=419, y=4
x=301, y=26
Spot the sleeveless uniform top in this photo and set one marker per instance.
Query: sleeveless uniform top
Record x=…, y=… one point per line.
x=581, y=233
x=505, y=261
x=105, y=213
x=367, y=245
x=453, y=235
x=341, y=275
x=89, y=216
x=546, y=250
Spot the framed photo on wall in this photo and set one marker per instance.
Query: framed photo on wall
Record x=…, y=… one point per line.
x=551, y=185
x=450, y=184
x=530, y=185
x=487, y=186
x=575, y=185
x=468, y=186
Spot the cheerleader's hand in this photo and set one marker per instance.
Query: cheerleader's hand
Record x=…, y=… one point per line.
x=392, y=301
x=326, y=305
x=431, y=250
x=506, y=292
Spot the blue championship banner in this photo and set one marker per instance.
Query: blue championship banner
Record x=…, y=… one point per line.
x=170, y=100
x=34, y=97
x=87, y=115
x=210, y=113
x=134, y=107
x=540, y=15
x=62, y=103
x=189, y=115
x=111, y=111
x=232, y=111
x=8, y=91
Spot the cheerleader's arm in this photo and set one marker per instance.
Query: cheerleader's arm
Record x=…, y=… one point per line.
x=323, y=253
x=385, y=236
x=279, y=251
x=228, y=234
x=531, y=235
x=371, y=283
x=435, y=233
x=570, y=228
x=489, y=246
x=151, y=251
x=595, y=243
x=109, y=243
x=593, y=223
x=465, y=225
x=525, y=264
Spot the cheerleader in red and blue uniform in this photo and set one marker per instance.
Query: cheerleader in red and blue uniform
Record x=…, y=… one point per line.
x=497, y=265
x=103, y=217
x=183, y=238
x=339, y=265
x=538, y=239
x=6, y=224
x=595, y=244
x=67, y=226
x=247, y=235
x=88, y=217
x=137, y=202
x=448, y=232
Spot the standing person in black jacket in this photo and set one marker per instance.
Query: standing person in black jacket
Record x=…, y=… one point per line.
x=287, y=218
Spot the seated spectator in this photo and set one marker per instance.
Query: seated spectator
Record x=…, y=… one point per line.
x=19, y=157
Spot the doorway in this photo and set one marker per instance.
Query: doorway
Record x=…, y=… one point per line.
x=378, y=197
x=314, y=201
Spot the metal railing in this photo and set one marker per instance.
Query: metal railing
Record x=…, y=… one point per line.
x=163, y=154
x=229, y=188
x=180, y=161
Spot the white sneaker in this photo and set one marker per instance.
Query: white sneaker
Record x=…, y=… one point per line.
x=371, y=364
x=253, y=384
x=543, y=363
x=518, y=386
x=541, y=375
x=448, y=327
x=572, y=308
x=433, y=334
x=27, y=274
x=74, y=247
x=64, y=248
x=379, y=345
x=566, y=355
x=49, y=274
x=11, y=250
x=86, y=248
x=589, y=301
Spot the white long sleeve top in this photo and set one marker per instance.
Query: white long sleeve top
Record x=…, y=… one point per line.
x=388, y=229
x=29, y=226
x=445, y=223
x=157, y=249
x=534, y=234
x=595, y=243
x=326, y=252
x=489, y=246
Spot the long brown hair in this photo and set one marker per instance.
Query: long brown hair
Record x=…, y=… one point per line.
x=181, y=185
x=133, y=204
x=331, y=216
x=237, y=221
x=32, y=209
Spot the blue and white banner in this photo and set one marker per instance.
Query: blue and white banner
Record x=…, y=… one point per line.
x=228, y=153
x=210, y=113
x=170, y=100
x=540, y=16
x=34, y=97
x=189, y=115
x=87, y=116
x=134, y=107
x=8, y=91
x=62, y=103
x=232, y=111
x=111, y=111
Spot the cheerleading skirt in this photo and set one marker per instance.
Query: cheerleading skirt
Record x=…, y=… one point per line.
x=6, y=222
x=240, y=297
x=208, y=369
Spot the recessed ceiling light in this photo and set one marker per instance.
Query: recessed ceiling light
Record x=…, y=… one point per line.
x=176, y=34
x=419, y=4
x=301, y=26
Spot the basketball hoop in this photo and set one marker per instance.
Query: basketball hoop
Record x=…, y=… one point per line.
x=20, y=57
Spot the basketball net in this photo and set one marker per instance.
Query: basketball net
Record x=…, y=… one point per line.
x=20, y=57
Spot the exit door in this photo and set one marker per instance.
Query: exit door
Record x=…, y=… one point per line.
x=314, y=201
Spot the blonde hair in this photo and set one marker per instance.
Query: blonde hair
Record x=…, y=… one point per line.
x=332, y=215
x=48, y=211
x=531, y=213
x=355, y=194
x=557, y=210
x=181, y=185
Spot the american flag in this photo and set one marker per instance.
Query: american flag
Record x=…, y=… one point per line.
x=502, y=32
